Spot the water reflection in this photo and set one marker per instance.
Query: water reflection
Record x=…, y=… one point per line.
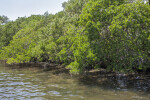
x=121, y=82
x=32, y=83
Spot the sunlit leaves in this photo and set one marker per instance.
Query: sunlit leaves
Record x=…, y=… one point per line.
x=113, y=34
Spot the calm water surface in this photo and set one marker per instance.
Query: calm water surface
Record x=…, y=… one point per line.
x=31, y=83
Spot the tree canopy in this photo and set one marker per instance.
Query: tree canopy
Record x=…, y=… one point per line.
x=4, y=19
x=87, y=34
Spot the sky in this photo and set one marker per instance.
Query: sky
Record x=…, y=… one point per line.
x=20, y=8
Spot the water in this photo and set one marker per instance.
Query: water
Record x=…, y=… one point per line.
x=32, y=83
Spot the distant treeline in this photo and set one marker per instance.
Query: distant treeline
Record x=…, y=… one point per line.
x=87, y=34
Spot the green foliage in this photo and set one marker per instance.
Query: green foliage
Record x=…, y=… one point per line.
x=117, y=33
x=4, y=19
x=88, y=34
x=16, y=51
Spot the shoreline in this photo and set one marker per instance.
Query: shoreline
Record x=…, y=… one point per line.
x=98, y=77
x=46, y=66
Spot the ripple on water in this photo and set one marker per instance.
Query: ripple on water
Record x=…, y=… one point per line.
x=26, y=85
x=54, y=93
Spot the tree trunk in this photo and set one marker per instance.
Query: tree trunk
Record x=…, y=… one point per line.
x=149, y=2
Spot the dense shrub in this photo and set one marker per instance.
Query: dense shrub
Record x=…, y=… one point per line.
x=113, y=34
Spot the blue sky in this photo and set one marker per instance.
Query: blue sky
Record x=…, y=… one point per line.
x=20, y=8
